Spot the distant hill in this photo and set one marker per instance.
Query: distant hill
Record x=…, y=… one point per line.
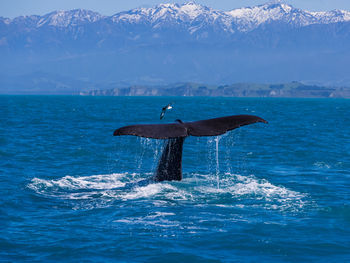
x=294, y=89
x=169, y=43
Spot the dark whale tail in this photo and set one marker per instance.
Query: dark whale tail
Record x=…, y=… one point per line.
x=170, y=163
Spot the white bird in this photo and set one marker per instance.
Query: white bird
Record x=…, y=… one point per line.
x=167, y=107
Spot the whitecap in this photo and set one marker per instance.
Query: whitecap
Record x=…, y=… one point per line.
x=115, y=186
x=249, y=187
x=197, y=188
x=105, y=181
x=159, y=219
x=322, y=165
x=146, y=191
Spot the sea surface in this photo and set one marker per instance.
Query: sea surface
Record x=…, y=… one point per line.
x=277, y=192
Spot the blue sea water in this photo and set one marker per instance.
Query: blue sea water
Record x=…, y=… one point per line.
x=261, y=193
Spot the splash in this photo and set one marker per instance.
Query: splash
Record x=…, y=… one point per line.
x=235, y=189
x=215, y=156
x=249, y=190
x=217, y=139
x=108, y=187
x=108, y=181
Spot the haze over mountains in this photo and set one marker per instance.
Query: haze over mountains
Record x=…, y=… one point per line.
x=65, y=52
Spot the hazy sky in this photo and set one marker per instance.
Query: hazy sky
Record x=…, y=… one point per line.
x=13, y=8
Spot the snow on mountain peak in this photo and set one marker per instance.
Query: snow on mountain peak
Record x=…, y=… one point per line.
x=251, y=17
x=169, y=12
x=333, y=16
x=192, y=10
x=69, y=18
x=197, y=16
x=194, y=17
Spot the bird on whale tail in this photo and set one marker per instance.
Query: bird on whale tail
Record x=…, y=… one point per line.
x=170, y=163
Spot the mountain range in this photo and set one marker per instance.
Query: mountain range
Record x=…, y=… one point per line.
x=81, y=50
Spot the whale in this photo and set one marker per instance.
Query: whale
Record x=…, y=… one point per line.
x=170, y=163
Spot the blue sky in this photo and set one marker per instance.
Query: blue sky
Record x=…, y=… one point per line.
x=13, y=8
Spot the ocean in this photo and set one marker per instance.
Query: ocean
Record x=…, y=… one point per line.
x=276, y=192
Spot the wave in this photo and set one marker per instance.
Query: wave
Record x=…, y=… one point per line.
x=106, y=181
x=161, y=219
x=231, y=190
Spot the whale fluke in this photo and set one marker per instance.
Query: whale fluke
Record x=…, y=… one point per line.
x=210, y=127
x=154, y=131
x=170, y=164
x=218, y=126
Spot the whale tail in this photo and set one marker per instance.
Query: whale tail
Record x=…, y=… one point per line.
x=170, y=163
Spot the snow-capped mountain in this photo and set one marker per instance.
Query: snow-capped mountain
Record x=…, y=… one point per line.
x=270, y=42
x=243, y=19
x=250, y=18
x=191, y=16
x=69, y=18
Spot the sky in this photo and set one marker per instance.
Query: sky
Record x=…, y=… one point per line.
x=13, y=8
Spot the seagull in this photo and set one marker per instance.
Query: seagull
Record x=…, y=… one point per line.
x=167, y=107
